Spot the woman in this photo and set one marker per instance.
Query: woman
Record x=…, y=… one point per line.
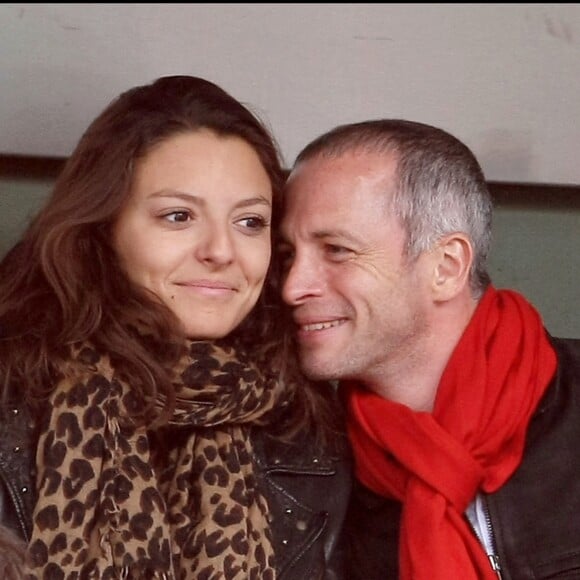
x=143, y=331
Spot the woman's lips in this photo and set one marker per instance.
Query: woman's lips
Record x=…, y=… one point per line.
x=208, y=287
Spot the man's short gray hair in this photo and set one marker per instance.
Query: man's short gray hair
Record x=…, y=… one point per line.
x=439, y=185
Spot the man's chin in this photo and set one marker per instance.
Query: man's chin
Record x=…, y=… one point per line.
x=315, y=369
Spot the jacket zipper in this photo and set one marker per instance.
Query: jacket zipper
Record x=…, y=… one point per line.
x=493, y=558
x=494, y=561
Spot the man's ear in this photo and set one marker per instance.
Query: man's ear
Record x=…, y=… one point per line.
x=453, y=256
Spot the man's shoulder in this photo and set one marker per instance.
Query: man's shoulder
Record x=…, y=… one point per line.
x=564, y=342
x=562, y=398
x=568, y=351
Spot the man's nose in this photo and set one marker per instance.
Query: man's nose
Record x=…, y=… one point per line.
x=303, y=280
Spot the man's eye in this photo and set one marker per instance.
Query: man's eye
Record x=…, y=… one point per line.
x=337, y=253
x=334, y=249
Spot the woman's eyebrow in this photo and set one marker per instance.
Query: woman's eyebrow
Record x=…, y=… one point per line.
x=198, y=200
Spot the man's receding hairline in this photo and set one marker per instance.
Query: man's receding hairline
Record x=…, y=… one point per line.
x=353, y=149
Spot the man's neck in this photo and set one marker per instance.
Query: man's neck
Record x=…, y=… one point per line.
x=412, y=378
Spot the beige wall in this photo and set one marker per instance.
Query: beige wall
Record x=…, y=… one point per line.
x=503, y=77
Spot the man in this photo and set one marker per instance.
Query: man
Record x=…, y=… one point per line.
x=464, y=414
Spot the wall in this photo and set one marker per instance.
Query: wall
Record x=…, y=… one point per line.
x=24, y=184
x=503, y=77
x=536, y=250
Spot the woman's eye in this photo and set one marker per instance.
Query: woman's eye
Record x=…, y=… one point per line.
x=177, y=216
x=255, y=223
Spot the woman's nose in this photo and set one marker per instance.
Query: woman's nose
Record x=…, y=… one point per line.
x=215, y=246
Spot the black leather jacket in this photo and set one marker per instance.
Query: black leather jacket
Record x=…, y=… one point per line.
x=307, y=493
x=534, y=517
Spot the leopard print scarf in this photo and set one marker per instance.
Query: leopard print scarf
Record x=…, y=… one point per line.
x=104, y=512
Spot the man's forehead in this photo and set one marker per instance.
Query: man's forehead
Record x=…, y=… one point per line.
x=355, y=164
x=341, y=185
x=326, y=212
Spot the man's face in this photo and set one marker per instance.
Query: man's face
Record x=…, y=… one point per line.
x=360, y=308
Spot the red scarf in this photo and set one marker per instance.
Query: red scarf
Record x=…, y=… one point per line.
x=436, y=463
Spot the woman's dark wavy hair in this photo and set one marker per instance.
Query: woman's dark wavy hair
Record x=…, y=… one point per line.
x=62, y=283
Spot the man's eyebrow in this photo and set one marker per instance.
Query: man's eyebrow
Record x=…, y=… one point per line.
x=327, y=233
x=335, y=234
x=324, y=235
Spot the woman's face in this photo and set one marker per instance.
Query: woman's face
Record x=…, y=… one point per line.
x=196, y=229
